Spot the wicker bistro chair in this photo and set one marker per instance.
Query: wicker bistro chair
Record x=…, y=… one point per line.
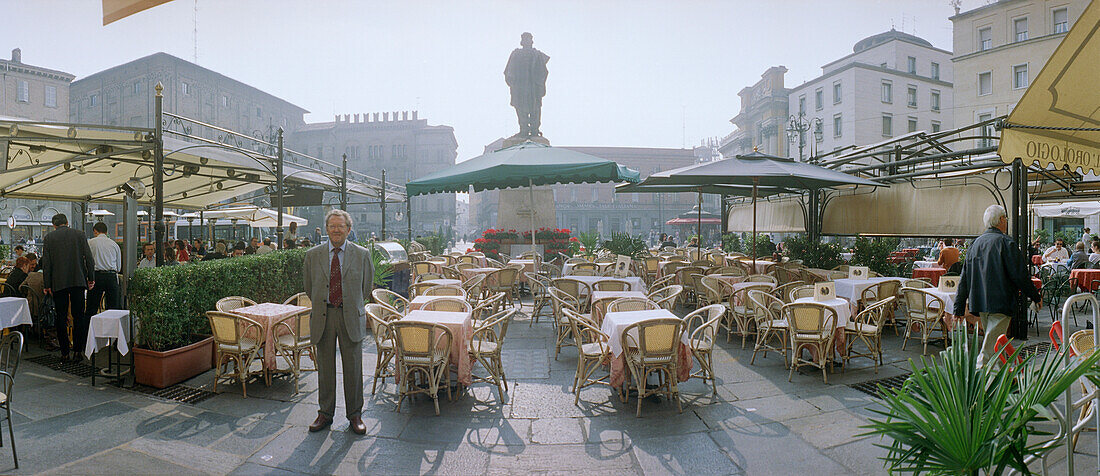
x=487, y=307
x=475, y=287
x=425, y=277
x=762, y=278
x=786, y=275
x=651, y=264
x=810, y=277
x=717, y=290
x=563, y=301
x=422, y=349
x=585, y=265
x=663, y=281
x=579, y=290
x=11, y=351
x=394, y=301
x=866, y=328
x=227, y=304
x=233, y=343
x=425, y=267
x=450, y=272
x=485, y=346
x=741, y=312
x=835, y=275
x=924, y=310
x=503, y=281
x=448, y=304
x=627, y=304
x=881, y=292
x=465, y=265
x=300, y=299
x=469, y=259
x=383, y=340
x=550, y=270
x=592, y=351
x=666, y=297
x=540, y=295
x=919, y=283
x=651, y=347
x=445, y=290
x=611, y=285
x=767, y=312
x=417, y=289
x=684, y=275
x=783, y=291
x=800, y=292
x=810, y=325
x=703, y=325
x=292, y=339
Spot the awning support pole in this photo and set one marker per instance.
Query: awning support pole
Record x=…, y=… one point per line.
x=344, y=185
x=279, y=192
x=699, y=225
x=531, y=189
x=383, y=203
x=409, y=215
x=158, y=176
x=755, y=184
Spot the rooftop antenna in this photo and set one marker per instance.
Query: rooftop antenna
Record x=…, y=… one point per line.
x=195, y=33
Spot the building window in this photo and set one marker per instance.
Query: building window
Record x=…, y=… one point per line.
x=595, y=194
x=911, y=64
x=935, y=126
x=935, y=100
x=24, y=93
x=1019, y=76
x=225, y=101
x=837, y=93
x=887, y=125
x=185, y=88
x=935, y=71
x=985, y=39
x=987, y=131
x=1019, y=26
x=911, y=96
x=137, y=88
x=93, y=100
x=837, y=130
x=802, y=104
x=819, y=99
x=985, y=83
x=887, y=92
x=51, y=96
x=259, y=113
x=1061, y=20
x=912, y=124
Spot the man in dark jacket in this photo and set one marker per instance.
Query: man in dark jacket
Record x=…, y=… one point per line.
x=994, y=271
x=67, y=271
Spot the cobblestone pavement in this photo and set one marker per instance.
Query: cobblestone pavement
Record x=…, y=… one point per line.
x=758, y=423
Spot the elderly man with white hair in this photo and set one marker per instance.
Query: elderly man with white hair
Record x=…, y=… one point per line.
x=994, y=271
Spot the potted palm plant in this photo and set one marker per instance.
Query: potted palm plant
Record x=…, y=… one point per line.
x=951, y=417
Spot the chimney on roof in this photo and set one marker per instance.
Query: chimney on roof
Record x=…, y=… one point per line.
x=17, y=56
x=376, y=117
x=414, y=115
x=404, y=115
x=347, y=117
x=337, y=119
x=385, y=117
x=356, y=118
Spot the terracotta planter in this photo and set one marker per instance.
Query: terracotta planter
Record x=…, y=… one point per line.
x=164, y=369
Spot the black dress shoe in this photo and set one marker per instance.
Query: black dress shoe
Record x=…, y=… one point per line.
x=356, y=425
x=320, y=423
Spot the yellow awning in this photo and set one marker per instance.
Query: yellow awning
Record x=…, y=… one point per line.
x=114, y=10
x=1063, y=98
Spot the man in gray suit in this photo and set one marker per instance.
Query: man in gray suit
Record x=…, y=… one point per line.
x=338, y=276
x=67, y=271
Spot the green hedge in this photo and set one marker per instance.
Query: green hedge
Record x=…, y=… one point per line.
x=171, y=302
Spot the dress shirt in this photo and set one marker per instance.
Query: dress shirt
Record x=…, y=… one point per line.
x=332, y=251
x=1055, y=254
x=106, y=253
x=264, y=249
x=148, y=263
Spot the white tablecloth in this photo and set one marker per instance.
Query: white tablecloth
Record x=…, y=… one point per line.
x=852, y=289
x=636, y=283
x=843, y=308
x=948, y=298
x=445, y=282
x=614, y=323
x=925, y=264
x=107, y=325
x=14, y=311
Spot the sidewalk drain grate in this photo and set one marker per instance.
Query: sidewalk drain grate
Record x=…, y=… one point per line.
x=178, y=393
x=54, y=362
x=1034, y=349
x=871, y=387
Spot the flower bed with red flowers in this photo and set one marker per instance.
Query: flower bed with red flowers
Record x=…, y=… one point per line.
x=554, y=241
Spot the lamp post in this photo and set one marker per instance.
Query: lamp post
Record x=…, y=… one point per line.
x=797, y=126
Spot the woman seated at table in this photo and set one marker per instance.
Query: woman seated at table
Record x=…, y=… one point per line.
x=949, y=255
x=1079, y=259
x=23, y=266
x=1094, y=257
x=1058, y=252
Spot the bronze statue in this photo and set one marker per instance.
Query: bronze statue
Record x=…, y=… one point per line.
x=526, y=77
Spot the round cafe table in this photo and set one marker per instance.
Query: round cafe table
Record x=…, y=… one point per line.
x=931, y=273
x=1085, y=279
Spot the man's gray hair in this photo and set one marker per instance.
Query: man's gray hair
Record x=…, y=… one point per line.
x=992, y=216
x=340, y=213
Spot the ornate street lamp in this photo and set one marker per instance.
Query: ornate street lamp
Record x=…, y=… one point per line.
x=797, y=127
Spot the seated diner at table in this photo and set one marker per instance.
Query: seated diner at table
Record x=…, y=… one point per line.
x=949, y=254
x=1094, y=257
x=1079, y=258
x=1058, y=252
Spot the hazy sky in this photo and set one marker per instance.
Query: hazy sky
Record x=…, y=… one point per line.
x=622, y=73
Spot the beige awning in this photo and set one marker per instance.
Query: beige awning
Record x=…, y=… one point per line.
x=114, y=10
x=773, y=215
x=1063, y=95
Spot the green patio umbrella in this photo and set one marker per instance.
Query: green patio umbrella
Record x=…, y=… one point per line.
x=523, y=165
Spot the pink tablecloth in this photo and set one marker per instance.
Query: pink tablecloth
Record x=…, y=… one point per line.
x=528, y=267
x=471, y=272
x=267, y=314
x=600, y=300
x=419, y=301
x=461, y=326
x=615, y=323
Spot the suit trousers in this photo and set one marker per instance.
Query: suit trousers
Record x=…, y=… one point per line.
x=994, y=324
x=70, y=300
x=351, y=357
x=106, y=287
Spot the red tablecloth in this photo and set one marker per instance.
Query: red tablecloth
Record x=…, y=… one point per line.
x=1038, y=283
x=1084, y=278
x=1037, y=260
x=931, y=273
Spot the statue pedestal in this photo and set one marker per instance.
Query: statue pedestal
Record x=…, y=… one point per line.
x=517, y=140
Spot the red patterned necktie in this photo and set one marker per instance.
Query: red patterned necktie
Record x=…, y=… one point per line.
x=335, y=288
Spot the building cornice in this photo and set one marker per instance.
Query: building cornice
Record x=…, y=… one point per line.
x=815, y=81
x=981, y=9
x=1008, y=46
x=933, y=48
x=7, y=65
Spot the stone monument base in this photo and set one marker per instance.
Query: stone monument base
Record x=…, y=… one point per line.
x=518, y=139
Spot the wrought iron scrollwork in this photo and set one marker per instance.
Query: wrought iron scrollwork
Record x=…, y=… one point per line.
x=168, y=122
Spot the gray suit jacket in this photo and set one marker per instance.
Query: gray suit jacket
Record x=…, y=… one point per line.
x=357, y=272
